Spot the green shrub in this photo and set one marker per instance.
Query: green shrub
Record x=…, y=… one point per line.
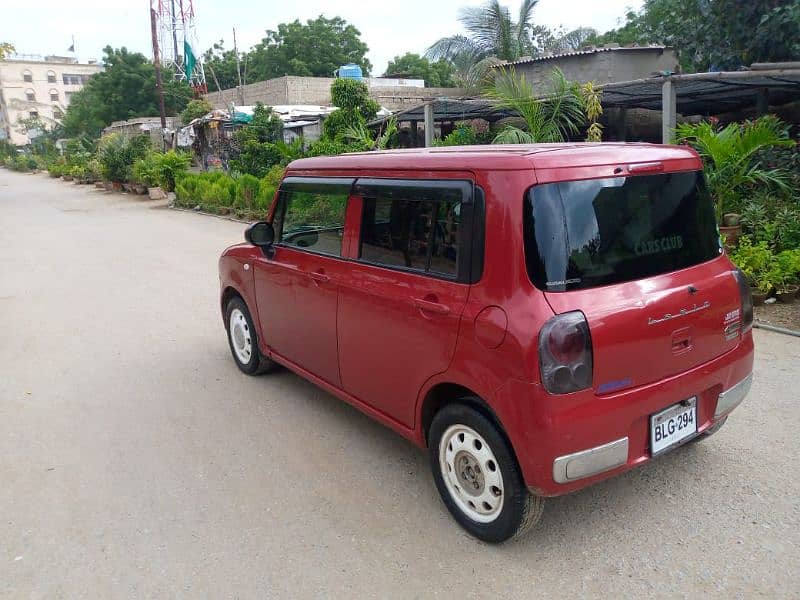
x=247, y=191
x=195, y=109
x=146, y=170
x=117, y=154
x=170, y=165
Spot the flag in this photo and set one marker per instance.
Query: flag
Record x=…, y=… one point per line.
x=72, y=47
x=189, y=59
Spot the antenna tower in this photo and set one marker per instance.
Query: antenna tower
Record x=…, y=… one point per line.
x=177, y=42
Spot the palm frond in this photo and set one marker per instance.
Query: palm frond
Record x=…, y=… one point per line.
x=448, y=48
x=513, y=135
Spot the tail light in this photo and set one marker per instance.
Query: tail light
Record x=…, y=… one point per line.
x=565, y=353
x=747, y=300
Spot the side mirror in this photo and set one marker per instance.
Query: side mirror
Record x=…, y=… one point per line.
x=260, y=234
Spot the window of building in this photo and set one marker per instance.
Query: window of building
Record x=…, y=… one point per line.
x=27, y=76
x=54, y=96
x=412, y=227
x=57, y=114
x=310, y=216
x=34, y=114
x=51, y=77
x=71, y=79
x=30, y=95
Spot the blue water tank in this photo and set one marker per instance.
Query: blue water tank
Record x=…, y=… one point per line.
x=350, y=71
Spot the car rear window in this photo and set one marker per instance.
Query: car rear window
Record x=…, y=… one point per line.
x=584, y=234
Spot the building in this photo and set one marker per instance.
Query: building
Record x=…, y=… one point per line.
x=36, y=86
x=609, y=64
x=393, y=94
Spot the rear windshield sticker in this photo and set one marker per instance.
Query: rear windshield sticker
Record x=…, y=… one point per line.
x=664, y=244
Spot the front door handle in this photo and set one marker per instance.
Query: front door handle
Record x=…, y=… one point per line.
x=320, y=277
x=431, y=307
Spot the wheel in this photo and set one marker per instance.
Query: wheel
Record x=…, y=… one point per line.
x=477, y=476
x=709, y=432
x=243, y=339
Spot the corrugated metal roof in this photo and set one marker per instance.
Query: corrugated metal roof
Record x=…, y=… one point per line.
x=584, y=52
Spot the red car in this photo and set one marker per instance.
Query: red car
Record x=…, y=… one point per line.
x=539, y=317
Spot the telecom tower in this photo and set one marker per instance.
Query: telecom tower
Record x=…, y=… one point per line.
x=177, y=41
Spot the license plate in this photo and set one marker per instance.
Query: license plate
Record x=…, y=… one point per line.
x=673, y=425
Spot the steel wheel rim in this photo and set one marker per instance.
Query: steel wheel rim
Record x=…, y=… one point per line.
x=241, y=340
x=471, y=473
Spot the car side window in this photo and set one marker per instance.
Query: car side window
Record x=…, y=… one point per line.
x=412, y=228
x=311, y=219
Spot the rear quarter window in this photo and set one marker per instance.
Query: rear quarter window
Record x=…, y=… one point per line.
x=583, y=234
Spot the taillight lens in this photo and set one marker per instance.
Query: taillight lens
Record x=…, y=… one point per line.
x=565, y=353
x=746, y=298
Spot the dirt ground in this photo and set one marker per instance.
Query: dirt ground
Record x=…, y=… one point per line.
x=780, y=314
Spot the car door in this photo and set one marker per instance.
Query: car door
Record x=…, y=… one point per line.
x=400, y=305
x=297, y=282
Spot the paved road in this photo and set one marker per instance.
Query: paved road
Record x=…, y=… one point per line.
x=136, y=461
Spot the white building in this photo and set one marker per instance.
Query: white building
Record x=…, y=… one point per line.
x=36, y=86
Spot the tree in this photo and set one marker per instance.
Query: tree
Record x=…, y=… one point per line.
x=195, y=109
x=6, y=49
x=125, y=89
x=257, y=141
x=220, y=65
x=552, y=119
x=721, y=34
x=315, y=49
x=355, y=107
x=414, y=66
x=492, y=36
x=559, y=41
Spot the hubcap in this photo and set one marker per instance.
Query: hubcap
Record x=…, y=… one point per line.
x=471, y=473
x=239, y=331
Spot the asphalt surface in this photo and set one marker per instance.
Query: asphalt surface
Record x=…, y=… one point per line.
x=137, y=461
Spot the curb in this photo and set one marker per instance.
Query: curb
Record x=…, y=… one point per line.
x=208, y=214
x=776, y=329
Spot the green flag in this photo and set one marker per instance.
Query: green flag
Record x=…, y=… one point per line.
x=189, y=59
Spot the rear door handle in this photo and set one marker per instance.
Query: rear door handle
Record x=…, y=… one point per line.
x=320, y=277
x=431, y=307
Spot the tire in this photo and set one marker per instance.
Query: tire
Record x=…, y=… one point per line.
x=477, y=476
x=243, y=339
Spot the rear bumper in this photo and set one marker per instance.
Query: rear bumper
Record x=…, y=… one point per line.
x=576, y=440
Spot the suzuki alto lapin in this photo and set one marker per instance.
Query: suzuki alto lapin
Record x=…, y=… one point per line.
x=539, y=318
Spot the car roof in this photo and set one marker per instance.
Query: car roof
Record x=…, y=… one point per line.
x=499, y=157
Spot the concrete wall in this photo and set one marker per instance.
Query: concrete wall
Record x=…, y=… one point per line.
x=601, y=67
x=316, y=90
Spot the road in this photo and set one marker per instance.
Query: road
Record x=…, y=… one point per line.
x=136, y=461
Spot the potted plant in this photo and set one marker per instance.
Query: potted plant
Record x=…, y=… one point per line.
x=730, y=159
x=755, y=260
x=785, y=272
x=731, y=228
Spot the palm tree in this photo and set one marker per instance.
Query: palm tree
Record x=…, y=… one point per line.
x=730, y=156
x=492, y=36
x=551, y=118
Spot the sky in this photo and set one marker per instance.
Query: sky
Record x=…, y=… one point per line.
x=389, y=29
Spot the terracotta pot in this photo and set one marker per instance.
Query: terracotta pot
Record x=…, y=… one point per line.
x=758, y=296
x=787, y=294
x=139, y=189
x=66, y=177
x=731, y=234
x=116, y=186
x=99, y=185
x=731, y=219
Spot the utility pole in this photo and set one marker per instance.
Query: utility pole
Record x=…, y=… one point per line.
x=238, y=69
x=157, y=64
